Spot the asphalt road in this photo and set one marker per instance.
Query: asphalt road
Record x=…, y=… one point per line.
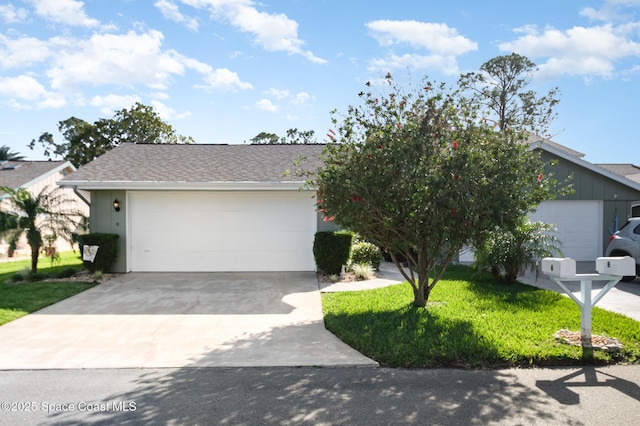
x=321, y=396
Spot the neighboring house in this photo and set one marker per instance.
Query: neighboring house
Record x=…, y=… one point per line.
x=35, y=176
x=631, y=172
x=601, y=203
x=204, y=207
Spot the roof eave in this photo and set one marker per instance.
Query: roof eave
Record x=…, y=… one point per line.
x=587, y=165
x=185, y=186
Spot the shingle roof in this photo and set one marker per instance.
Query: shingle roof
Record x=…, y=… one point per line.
x=630, y=171
x=196, y=164
x=15, y=174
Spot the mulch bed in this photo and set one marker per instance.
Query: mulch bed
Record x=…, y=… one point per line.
x=597, y=342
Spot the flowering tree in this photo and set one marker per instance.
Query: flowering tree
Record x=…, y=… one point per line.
x=420, y=174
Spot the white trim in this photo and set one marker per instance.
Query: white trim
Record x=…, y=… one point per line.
x=127, y=233
x=187, y=186
x=583, y=163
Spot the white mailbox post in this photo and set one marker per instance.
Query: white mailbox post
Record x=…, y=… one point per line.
x=610, y=269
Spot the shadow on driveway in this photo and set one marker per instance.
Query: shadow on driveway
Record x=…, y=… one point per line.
x=153, y=320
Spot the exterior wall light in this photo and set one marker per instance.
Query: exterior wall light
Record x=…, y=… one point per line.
x=116, y=205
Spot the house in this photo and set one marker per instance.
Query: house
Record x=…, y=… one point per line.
x=36, y=176
x=602, y=201
x=204, y=207
x=235, y=208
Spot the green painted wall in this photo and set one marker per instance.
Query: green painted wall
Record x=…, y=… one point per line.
x=105, y=219
x=588, y=185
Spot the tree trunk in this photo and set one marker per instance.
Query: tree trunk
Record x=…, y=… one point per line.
x=35, y=251
x=421, y=296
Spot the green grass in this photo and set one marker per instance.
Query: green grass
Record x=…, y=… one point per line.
x=471, y=323
x=20, y=299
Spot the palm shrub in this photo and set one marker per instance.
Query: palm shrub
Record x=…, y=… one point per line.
x=50, y=213
x=508, y=253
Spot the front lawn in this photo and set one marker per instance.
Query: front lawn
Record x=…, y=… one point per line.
x=471, y=323
x=21, y=298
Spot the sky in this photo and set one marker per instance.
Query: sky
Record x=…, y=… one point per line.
x=222, y=71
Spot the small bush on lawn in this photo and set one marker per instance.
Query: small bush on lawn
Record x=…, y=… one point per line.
x=362, y=271
x=331, y=250
x=38, y=276
x=509, y=252
x=66, y=273
x=365, y=252
x=107, y=251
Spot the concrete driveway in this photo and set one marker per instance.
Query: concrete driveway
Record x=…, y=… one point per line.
x=156, y=320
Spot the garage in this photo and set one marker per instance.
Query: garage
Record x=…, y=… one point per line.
x=579, y=224
x=221, y=231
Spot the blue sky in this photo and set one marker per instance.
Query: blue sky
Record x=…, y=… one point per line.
x=222, y=71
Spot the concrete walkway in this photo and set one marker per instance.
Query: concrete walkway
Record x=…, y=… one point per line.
x=388, y=275
x=161, y=320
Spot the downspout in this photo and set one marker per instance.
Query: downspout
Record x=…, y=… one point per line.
x=75, y=191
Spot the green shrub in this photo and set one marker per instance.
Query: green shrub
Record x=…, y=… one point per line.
x=364, y=252
x=17, y=277
x=510, y=252
x=363, y=271
x=331, y=250
x=107, y=251
x=38, y=276
x=66, y=273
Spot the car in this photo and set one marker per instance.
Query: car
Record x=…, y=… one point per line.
x=626, y=242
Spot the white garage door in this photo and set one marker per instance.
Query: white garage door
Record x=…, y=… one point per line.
x=221, y=231
x=579, y=225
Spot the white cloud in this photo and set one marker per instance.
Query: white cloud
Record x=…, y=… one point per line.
x=23, y=88
x=446, y=64
x=301, y=98
x=10, y=14
x=123, y=60
x=170, y=11
x=443, y=43
x=588, y=51
x=437, y=38
x=110, y=103
x=266, y=105
x=168, y=113
x=612, y=11
x=69, y=12
x=273, y=32
x=225, y=80
x=278, y=94
x=23, y=51
x=165, y=112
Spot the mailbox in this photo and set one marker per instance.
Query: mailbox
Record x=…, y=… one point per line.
x=559, y=267
x=620, y=266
